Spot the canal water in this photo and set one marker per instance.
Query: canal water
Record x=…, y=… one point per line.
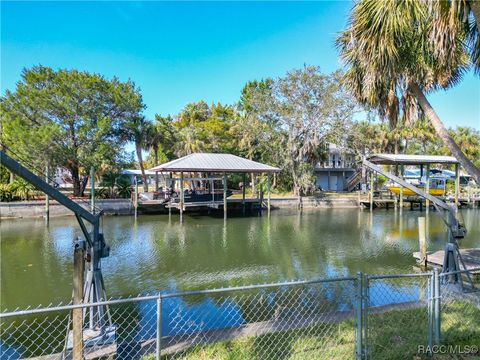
x=154, y=253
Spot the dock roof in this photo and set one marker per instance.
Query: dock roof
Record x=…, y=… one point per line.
x=211, y=162
x=394, y=159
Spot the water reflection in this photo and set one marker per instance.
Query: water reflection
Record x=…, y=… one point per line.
x=153, y=253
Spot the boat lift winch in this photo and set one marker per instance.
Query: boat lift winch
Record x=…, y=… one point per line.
x=456, y=230
x=100, y=327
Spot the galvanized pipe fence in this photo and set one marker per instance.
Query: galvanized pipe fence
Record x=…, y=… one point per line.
x=363, y=317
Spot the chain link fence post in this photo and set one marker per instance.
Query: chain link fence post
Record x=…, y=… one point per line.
x=359, y=317
x=430, y=313
x=436, y=306
x=158, y=349
x=366, y=288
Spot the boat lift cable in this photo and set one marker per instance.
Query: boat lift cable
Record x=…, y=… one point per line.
x=456, y=230
x=95, y=246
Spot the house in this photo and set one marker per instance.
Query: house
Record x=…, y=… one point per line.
x=333, y=173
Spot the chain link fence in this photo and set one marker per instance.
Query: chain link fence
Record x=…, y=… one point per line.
x=388, y=316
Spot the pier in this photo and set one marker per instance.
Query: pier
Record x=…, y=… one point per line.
x=471, y=258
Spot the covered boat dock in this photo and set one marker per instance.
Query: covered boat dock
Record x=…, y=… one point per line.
x=206, y=170
x=399, y=161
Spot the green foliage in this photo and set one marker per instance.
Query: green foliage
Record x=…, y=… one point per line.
x=74, y=119
x=19, y=189
x=124, y=188
x=115, y=184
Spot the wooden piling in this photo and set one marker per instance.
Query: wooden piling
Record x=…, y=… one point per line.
x=225, y=195
x=457, y=183
x=422, y=238
x=92, y=190
x=135, y=199
x=427, y=188
x=182, y=196
x=243, y=192
x=371, y=191
x=47, y=198
x=402, y=170
x=77, y=321
x=269, y=184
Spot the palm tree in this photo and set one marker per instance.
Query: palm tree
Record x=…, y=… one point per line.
x=189, y=143
x=137, y=130
x=161, y=135
x=391, y=63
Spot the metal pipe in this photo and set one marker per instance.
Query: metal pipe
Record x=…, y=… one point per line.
x=159, y=329
x=436, y=286
x=359, y=309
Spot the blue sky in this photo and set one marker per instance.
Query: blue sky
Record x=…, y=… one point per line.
x=178, y=52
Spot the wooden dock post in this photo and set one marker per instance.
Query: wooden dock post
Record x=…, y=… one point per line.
x=269, y=185
x=243, y=192
x=427, y=188
x=422, y=238
x=182, y=196
x=92, y=190
x=457, y=183
x=225, y=195
x=47, y=198
x=77, y=321
x=402, y=170
x=135, y=198
x=371, y=191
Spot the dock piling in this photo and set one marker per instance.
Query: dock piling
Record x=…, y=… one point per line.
x=225, y=195
x=47, y=198
x=77, y=321
x=422, y=238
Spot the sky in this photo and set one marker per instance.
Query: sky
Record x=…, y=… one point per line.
x=179, y=52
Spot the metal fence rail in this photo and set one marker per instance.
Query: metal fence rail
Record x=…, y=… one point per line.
x=386, y=316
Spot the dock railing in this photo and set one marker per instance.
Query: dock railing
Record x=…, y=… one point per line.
x=377, y=316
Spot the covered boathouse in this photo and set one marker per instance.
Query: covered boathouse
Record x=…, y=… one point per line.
x=199, y=180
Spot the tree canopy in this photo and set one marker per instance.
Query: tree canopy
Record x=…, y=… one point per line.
x=68, y=118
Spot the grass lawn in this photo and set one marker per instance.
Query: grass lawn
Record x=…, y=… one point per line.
x=394, y=335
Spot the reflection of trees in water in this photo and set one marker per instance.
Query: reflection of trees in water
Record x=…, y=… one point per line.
x=194, y=313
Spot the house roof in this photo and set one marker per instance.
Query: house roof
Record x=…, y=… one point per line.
x=136, y=172
x=399, y=159
x=209, y=162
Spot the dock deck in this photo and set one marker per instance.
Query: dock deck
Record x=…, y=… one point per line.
x=471, y=258
x=231, y=204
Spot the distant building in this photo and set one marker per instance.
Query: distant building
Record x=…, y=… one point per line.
x=333, y=173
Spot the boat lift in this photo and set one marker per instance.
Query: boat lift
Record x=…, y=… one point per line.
x=456, y=230
x=101, y=329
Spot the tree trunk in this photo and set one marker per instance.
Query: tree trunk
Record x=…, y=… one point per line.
x=138, y=148
x=77, y=188
x=443, y=133
x=475, y=7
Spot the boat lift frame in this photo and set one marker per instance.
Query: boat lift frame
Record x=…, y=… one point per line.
x=94, y=243
x=456, y=230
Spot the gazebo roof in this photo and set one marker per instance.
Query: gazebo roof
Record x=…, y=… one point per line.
x=210, y=162
x=394, y=159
